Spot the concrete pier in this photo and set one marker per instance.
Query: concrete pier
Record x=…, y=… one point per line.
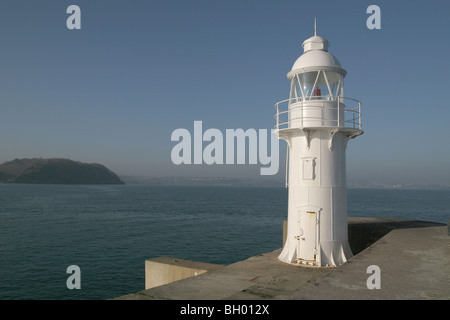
x=413, y=259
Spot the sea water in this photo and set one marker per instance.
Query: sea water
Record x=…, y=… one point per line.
x=108, y=231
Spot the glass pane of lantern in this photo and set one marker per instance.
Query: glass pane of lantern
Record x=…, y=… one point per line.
x=307, y=81
x=335, y=80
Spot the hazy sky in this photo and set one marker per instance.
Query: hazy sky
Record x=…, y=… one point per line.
x=114, y=91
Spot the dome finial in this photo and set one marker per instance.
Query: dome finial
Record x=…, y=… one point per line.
x=315, y=42
x=315, y=26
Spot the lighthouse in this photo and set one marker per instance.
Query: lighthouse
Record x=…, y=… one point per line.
x=317, y=121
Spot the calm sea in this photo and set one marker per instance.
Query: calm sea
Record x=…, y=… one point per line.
x=109, y=231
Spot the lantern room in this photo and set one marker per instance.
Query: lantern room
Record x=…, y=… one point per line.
x=317, y=92
x=317, y=74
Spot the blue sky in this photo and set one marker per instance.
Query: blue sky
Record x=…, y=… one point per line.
x=114, y=91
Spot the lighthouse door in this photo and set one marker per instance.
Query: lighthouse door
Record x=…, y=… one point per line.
x=307, y=235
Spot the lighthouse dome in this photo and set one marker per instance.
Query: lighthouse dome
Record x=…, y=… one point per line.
x=316, y=57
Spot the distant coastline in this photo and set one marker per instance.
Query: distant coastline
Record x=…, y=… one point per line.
x=66, y=171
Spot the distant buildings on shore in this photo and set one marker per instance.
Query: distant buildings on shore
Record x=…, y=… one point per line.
x=260, y=181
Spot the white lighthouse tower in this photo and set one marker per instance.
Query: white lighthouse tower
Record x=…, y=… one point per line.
x=317, y=122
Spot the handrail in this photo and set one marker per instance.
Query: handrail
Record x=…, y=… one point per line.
x=302, y=113
x=325, y=98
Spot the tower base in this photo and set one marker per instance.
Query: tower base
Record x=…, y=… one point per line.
x=331, y=254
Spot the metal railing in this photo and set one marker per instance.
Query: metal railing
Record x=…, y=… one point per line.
x=322, y=111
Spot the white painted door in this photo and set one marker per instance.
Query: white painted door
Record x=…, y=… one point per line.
x=307, y=235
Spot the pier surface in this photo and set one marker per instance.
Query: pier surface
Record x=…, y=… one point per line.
x=413, y=258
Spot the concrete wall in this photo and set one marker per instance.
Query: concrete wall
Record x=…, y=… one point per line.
x=164, y=270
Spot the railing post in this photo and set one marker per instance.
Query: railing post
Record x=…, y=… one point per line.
x=359, y=107
x=278, y=118
x=353, y=119
x=339, y=112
